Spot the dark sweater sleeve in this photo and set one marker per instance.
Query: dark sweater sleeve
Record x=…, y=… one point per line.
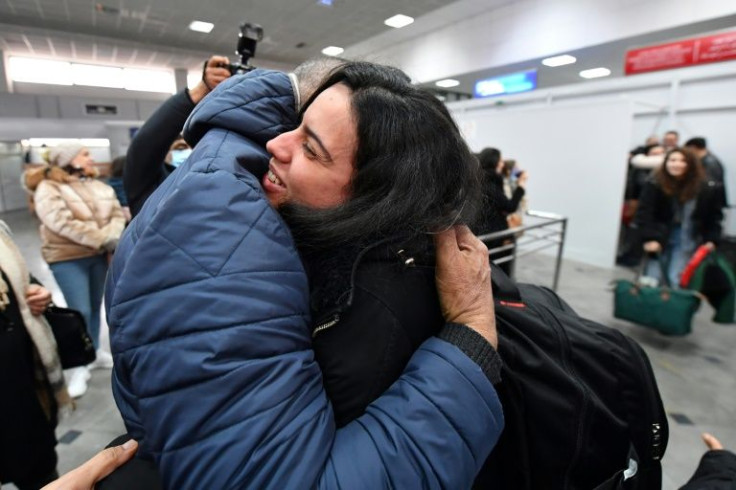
x=717, y=470
x=505, y=204
x=475, y=347
x=144, y=166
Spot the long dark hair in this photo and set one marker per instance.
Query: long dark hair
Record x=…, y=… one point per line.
x=414, y=174
x=686, y=187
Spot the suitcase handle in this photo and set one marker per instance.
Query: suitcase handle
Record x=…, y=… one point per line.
x=663, y=271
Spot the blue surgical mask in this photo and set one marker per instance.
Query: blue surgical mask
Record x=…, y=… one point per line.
x=179, y=156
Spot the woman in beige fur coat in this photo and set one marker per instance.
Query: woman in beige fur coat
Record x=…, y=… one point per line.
x=81, y=221
x=31, y=380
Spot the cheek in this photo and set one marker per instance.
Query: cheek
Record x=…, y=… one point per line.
x=317, y=189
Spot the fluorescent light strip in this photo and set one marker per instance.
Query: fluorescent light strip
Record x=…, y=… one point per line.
x=595, y=73
x=33, y=70
x=398, y=21
x=200, y=26
x=332, y=51
x=88, y=142
x=564, y=59
x=447, y=83
x=148, y=80
x=97, y=76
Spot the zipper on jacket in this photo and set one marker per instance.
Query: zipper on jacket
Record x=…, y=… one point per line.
x=655, y=430
x=554, y=322
x=328, y=324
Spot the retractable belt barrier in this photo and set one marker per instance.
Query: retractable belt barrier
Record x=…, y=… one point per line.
x=547, y=231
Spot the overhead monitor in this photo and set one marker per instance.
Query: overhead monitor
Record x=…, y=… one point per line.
x=507, y=84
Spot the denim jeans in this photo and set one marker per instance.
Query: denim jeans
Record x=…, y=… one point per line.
x=82, y=282
x=676, y=255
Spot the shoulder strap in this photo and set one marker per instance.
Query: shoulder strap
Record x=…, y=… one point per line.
x=504, y=289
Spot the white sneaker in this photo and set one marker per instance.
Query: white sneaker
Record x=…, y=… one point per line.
x=103, y=360
x=77, y=381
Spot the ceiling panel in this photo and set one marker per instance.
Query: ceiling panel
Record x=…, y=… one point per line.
x=163, y=24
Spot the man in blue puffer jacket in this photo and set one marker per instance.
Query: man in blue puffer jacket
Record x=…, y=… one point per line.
x=214, y=374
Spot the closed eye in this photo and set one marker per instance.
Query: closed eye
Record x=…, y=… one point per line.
x=308, y=150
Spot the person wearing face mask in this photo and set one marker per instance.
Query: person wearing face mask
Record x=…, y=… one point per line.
x=152, y=156
x=179, y=152
x=678, y=211
x=81, y=222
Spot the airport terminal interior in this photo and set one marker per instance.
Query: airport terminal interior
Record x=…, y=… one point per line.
x=589, y=103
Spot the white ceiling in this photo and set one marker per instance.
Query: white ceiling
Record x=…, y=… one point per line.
x=610, y=55
x=155, y=33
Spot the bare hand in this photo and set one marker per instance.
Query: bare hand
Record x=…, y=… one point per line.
x=86, y=476
x=215, y=72
x=652, y=247
x=463, y=277
x=710, y=246
x=38, y=299
x=710, y=441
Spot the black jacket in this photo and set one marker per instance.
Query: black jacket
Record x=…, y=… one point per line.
x=144, y=166
x=496, y=206
x=368, y=325
x=656, y=214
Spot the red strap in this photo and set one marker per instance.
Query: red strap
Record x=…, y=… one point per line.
x=687, y=274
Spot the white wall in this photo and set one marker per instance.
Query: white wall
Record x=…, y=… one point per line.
x=573, y=157
x=576, y=136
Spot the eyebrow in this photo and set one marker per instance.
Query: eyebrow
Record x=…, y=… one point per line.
x=314, y=136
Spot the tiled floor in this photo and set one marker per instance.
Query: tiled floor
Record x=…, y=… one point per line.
x=695, y=373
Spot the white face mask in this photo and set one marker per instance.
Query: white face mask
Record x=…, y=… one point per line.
x=180, y=156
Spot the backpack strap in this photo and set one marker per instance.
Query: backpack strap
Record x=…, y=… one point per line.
x=504, y=289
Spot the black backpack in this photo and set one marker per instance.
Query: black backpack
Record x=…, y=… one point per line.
x=580, y=400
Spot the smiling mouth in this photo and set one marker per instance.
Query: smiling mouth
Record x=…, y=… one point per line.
x=274, y=178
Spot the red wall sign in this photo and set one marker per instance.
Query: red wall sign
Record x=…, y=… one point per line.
x=720, y=47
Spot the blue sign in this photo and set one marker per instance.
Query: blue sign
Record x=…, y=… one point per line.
x=507, y=84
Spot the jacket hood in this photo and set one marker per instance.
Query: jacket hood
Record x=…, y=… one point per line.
x=238, y=99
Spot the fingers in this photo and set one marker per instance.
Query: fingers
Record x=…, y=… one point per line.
x=110, y=459
x=446, y=242
x=711, y=441
x=468, y=241
x=216, y=61
x=105, y=462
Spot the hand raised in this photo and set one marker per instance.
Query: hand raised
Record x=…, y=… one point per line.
x=463, y=278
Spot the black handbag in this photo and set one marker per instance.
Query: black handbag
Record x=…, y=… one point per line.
x=73, y=342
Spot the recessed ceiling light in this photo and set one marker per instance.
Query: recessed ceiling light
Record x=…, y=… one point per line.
x=200, y=26
x=332, y=51
x=447, y=83
x=595, y=73
x=398, y=21
x=561, y=60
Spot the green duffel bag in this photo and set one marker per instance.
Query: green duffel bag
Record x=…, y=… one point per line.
x=669, y=311
x=715, y=280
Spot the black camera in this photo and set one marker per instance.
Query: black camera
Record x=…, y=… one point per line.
x=248, y=38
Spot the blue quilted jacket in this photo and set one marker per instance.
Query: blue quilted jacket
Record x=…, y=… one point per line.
x=214, y=373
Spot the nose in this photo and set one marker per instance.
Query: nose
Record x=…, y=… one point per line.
x=280, y=147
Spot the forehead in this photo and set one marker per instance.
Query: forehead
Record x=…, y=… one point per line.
x=330, y=117
x=332, y=102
